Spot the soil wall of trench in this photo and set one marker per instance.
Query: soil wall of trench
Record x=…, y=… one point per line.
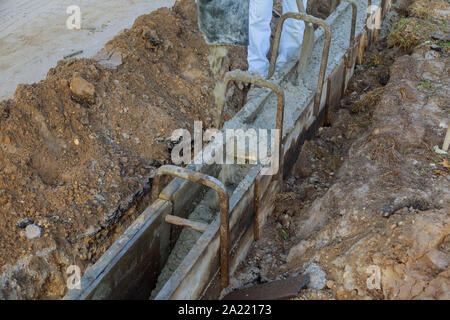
x=365, y=212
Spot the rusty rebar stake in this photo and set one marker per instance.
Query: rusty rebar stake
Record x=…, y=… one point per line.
x=255, y=78
x=353, y=30
x=224, y=199
x=326, y=49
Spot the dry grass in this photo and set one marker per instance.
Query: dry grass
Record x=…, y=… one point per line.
x=421, y=23
x=368, y=100
x=406, y=34
x=424, y=9
x=375, y=60
x=420, y=9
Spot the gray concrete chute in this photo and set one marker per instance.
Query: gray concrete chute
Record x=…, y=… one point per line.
x=224, y=199
x=326, y=49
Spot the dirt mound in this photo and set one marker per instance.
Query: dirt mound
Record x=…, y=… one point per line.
x=77, y=148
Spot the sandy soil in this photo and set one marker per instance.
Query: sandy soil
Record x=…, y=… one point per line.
x=34, y=34
x=369, y=197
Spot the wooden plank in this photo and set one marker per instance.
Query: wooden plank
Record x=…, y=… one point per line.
x=130, y=267
x=199, y=226
x=282, y=289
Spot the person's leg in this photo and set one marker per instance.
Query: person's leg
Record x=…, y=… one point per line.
x=260, y=16
x=292, y=36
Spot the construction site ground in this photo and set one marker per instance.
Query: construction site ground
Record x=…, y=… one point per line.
x=78, y=151
x=78, y=148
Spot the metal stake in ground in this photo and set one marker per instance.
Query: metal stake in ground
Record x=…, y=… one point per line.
x=217, y=186
x=255, y=78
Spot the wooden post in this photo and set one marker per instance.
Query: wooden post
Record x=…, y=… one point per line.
x=446, y=140
x=199, y=226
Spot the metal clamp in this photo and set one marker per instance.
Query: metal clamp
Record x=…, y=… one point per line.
x=326, y=49
x=353, y=30
x=217, y=186
x=255, y=78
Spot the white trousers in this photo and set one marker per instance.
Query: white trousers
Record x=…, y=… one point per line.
x=260, y=16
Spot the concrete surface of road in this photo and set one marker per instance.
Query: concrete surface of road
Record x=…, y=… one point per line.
x=34, y=35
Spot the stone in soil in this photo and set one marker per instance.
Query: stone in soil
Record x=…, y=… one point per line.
x=33, y=231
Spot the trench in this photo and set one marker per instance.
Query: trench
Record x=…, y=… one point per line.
x=154, y=259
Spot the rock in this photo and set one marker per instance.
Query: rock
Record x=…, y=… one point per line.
x=285, y=220
x=331, y=284
x=436, y=48
x=440, y=36
x=297, y=251
x=153, y=37
x=25, y=222
x=303, y=167
x=431, y=54
x=92, y=230
x=82, y=88
x=317, y=277
x=33, y=231
x=109, y=58
x=99, y=197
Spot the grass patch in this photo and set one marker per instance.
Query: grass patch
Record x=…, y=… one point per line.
x=368, y=100
x=426, y=84
x=375, y=60
x=422, y=22
x=406, y=35
x=423, y=9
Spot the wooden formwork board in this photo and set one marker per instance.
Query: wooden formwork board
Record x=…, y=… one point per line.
x=133, y=262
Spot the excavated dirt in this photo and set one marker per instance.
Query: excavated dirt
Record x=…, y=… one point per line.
x=366, y=210
x=77, y=148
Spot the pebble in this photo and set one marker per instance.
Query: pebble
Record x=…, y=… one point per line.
x=317, y=277
x=33, y=231
x=99, y=197
x=25, y=222
x=81, y=87
x=330, y=284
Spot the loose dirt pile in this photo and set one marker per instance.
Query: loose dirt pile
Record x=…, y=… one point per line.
x=366, y=211
x=77, y=148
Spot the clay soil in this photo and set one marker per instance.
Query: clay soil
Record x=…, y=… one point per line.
x=79, y=148
x=369, y=193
